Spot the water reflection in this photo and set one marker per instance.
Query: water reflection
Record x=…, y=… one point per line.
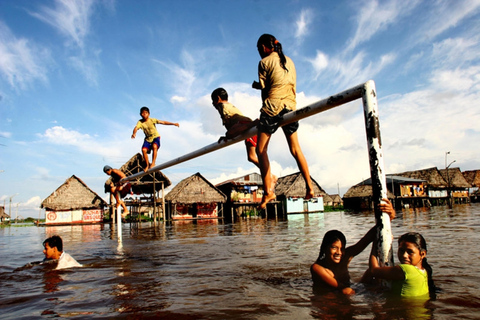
x=254, y=268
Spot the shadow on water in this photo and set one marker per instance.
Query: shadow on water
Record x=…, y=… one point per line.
x=251, y=269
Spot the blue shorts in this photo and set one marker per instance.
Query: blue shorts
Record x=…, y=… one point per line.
x=270, y=124
x=149, y=145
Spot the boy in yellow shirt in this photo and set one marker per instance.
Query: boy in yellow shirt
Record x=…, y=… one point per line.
x=152, y=137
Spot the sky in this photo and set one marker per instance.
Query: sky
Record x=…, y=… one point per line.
x=74, y=75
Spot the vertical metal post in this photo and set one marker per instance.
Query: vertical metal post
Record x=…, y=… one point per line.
x=379, y=185
x=119, y=219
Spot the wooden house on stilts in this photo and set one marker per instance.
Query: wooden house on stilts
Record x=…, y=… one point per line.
x=73, y=203
x=473, y=177
x=290, y=190
x=195, y=198
x=146, y=190
x=457, y=185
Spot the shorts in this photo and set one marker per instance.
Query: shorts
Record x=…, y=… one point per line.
x=149, y=145
x=252, y=141
x=125, y=189
x=268, y=124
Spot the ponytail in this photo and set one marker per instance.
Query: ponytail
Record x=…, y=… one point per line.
x=271, y=42
x=431, y=284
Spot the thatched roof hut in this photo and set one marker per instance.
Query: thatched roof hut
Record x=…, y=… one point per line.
x=293, y=186
x=144, y=184
x=195, y=189
x=3, y=215
x=336, y=199
x=74, y=194
x=455, y=178
x=363, y=191
x=432, y=177
x=472, y=177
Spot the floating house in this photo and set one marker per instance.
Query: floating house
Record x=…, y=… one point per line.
x=473, y=177
x=3, y=215
x=436, y=186
x=73, y=203
x=244, y=194
x=291, y=191
x=457, y=185
x=195, y=198
x=360, y=196
x=146, y=189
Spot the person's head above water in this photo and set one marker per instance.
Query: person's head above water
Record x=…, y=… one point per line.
x=329, y=239
x=53, y=247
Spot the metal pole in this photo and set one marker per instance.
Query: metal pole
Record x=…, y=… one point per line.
x=119, y=219
x=314, y=108
x=379, y=186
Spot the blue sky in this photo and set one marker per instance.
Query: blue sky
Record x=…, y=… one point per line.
x=74, y=74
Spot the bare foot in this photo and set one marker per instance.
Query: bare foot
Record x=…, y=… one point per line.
x=147, y=167
x=125, y=213
x=266, y=199
x=309, y=195
x=152, y=165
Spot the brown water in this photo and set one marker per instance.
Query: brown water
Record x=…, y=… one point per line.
x=252, y=269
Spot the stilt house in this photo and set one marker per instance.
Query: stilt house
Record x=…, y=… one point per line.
x=473, y=177
x=195, y=198
x=73, y=203
x=145, y=188
x=457, y=185
x=291, y=190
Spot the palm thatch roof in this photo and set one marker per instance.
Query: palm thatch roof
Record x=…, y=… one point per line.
x=3, y=215
x=293, y=186
x=363, y=191
x=432, y=177
x=472, y=177
x=143, y=185
x=456, y=178
x=336, y=198
x=195, y=189
x=73, y=194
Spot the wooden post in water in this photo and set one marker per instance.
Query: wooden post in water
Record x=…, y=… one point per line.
x=379, y=184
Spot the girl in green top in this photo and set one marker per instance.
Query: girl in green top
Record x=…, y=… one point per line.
x=413, y=277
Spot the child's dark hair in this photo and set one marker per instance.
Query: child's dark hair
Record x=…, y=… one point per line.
x=271, y=42
x=421, y=244
x=54, y=241
x=219, y=92
x=144, y=109
x=328, y=239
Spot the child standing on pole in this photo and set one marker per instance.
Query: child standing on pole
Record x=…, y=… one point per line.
x=277, y=80
x=152, y=137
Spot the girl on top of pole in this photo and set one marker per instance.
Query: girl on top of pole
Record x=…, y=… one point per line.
x=277, y=80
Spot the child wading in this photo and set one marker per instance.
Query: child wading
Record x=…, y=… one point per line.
x=277, y=79
x=330, y=271
x=412, y=278
x=152, y=137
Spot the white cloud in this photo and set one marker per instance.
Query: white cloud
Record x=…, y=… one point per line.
x=69, y=17
x=303, y=23
x=374, y=16
x=84, y=142
x=21, y=61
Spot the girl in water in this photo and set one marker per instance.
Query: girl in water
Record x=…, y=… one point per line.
x=413, y=276
x=330, y=271
x=277, y=80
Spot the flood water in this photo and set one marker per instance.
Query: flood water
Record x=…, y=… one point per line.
x=251, y=269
